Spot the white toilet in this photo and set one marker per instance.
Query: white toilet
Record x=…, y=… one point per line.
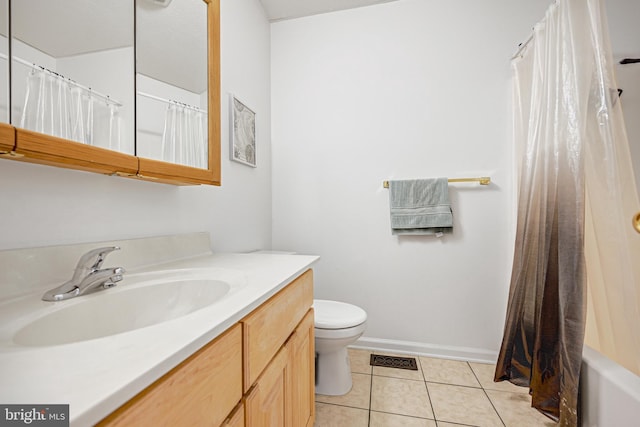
x=337, y=324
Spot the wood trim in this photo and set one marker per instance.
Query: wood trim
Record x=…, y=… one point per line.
x=49, y=150
x=267, y=403
x=302, y=372
x=267, y=328
x=215, y=119
x=202, y=390
x=250, y=401
x=236, y=419
x=7, y=137
x=171, y=173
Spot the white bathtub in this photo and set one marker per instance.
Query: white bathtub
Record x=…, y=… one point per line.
x=610, y=394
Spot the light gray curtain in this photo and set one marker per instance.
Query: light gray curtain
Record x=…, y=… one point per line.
x=544, y=328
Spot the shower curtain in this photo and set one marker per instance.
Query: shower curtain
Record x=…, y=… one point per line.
x=612, y=245
x=55, y=106
x=565, y=103
x=184, y=138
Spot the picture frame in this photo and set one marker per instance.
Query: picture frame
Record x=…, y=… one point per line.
x=242, y=132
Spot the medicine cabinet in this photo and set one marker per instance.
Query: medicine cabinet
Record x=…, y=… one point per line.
x=120, y=87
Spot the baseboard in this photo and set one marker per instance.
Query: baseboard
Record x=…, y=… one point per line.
x=423, y=349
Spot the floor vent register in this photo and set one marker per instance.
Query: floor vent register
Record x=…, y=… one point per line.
x=394, y=362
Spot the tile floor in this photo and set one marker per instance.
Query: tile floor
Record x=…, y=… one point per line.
x=441, y=393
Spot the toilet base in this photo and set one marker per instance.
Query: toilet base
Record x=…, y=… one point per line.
x=333, y=376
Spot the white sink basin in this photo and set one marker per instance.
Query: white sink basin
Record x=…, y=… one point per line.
x=124, y=308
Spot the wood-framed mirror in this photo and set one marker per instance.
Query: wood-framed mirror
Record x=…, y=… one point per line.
x=177, y=88
x=111, y=146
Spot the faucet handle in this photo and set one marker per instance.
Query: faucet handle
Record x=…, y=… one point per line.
x=93, y=259
x=118, y=273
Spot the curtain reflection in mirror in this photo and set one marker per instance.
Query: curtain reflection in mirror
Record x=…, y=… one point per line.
x=184, y=138
x=57, y=106
x=4, y=80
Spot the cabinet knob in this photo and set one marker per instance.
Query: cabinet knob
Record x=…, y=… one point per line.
x=636, y=222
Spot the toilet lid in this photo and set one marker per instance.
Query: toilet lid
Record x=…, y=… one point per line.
x=337, y=315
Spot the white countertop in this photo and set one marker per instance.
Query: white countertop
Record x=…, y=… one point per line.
x=96, y=376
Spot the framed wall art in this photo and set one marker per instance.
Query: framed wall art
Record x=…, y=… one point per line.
x=243, y=133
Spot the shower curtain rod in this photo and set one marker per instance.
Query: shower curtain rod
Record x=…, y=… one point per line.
x=483, y=180
x=522, y=46
x=107, y=98
x=171, y=101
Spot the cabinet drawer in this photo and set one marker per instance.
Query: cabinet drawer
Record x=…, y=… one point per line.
x=268, y=327
x=202, y=390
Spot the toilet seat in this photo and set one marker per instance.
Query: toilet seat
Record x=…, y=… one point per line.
x=332, y=315
x=339, y=334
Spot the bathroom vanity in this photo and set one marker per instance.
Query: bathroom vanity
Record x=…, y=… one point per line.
x=271, y=348
x=245, y=359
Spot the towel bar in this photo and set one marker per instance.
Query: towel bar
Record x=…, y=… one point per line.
x=483, y=180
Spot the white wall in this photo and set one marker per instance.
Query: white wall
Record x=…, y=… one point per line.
x=41, y=205
x=628, y=78
x=406, y=89
x=625, y=41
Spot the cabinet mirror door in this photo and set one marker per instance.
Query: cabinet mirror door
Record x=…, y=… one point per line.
x=73, y=70
x=172, y=77
x=4, y=61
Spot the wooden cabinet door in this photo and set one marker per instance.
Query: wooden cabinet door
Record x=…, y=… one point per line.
x=7, y=139
x=267, y=402
x=201, y=391
x=236, y=419
x=302, y=373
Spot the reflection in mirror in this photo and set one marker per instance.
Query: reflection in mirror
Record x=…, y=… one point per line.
x=172, y=75
x=72, y=70
x=4, y=61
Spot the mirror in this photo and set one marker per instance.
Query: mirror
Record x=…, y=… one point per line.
x=4, y=61
x=172, y=81
x=76, y=74
x=73, y=70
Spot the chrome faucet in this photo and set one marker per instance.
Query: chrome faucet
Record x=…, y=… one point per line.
x=88, y=276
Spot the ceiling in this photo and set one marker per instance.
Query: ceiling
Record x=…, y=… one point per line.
x=623, y=16
x=278, y=10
